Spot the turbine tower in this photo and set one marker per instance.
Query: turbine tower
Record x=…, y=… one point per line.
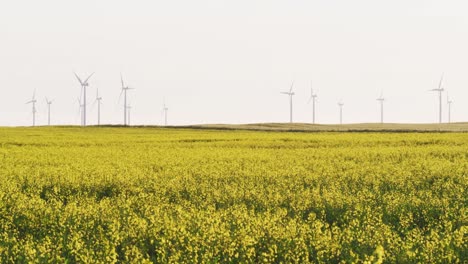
x=49, y=103
x=313, y=98
x=84, y=85
x=381, y=100
x=165, y=109
x=449, y=103
x=341, y=104
x=124, y=91
x=98, y=100
x=129, y=108
x=290, y=94
x=440, y=90
x=33, y=102
x=80, y=109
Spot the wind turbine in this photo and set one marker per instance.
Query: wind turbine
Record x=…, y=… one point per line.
x=165, y=109
x=124, y=91
x=84, y=85
x=49, y=103
x=98, y=100
x=313, y=98
x=290, y=94
x=341, y=104
x=33, y=102
x=449, y=103
x=439, y=90
x=381, y=100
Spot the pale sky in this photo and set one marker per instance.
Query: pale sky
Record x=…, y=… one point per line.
x=223, y=61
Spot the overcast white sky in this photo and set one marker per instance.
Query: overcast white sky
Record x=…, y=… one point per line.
x=217, y=61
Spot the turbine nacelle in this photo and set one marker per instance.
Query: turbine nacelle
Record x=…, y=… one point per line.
x=312, y=94
x=85, y=82
x=290, y=93
x=437, y=90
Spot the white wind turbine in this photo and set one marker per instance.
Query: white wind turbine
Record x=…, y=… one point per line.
x=165, y=109
x=84, y=85
x=341, y=104
x=313, y=98
x=449, y=103
x=98, y=101
x=381, y=100
x=33, y=102
x=49, y=103
x=124, y=91
x=440, y=90
x=290, y=94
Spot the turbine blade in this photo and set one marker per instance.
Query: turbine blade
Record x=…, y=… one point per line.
x=441, y=80
x=311, y=89
x=120, y=96
x=292, y=84
x=121, y=80
x=77, y=77
x=89, y=77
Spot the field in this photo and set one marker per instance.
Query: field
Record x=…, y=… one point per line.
x=93, y=195
x=365, y=127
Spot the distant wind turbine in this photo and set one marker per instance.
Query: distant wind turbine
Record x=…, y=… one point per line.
x=449, y=103
x=165, y=109
x=84, y=85
x=49, y=103
x=124, y=91
x=381, y=100
x=98, y=101
x=313, y=98
x=440, y=90
x=290, y=94
x=33, y=102
x=341, y=104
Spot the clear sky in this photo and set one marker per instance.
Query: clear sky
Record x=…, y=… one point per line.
x=218, y=61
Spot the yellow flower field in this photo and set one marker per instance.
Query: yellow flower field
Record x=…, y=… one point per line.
x=106, y=195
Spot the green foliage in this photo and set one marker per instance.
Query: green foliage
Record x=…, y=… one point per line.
x=107, y=195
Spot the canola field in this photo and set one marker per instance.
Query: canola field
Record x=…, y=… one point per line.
x=153, y=195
